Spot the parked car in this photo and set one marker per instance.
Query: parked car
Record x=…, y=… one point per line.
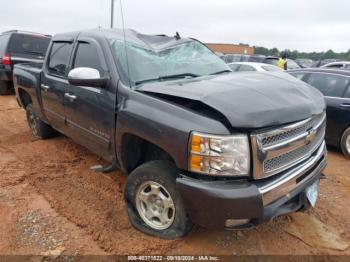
x=320, y=63
x=256, y=58
x=291, y=64
x=344, y=65
x=199, y=144
x=18, y=47
x=250, y=66
x=304, y=63
x=335, y=86
x=231, y=58
x=272, y=60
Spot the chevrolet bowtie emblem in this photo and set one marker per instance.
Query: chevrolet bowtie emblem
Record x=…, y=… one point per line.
x=310, y=136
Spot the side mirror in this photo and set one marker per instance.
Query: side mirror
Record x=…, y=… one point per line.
x=85, y=76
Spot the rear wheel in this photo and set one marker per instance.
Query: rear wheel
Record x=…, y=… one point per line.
x=345, y=143
x=153, y=203
x=38, y=127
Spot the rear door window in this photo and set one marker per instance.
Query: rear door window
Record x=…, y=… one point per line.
x=29, y=44
x=59, y=58
x=329, y=84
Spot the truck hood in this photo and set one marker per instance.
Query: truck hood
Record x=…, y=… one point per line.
x=249, y=99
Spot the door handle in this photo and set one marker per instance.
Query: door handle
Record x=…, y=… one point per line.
x=346, y=106
x=45, y=87
x=70, y=97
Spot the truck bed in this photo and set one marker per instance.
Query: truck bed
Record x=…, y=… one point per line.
x=31, y=67
x=27, y=77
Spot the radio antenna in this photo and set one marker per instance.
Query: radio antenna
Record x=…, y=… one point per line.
x=124, y=35
x=112, y=13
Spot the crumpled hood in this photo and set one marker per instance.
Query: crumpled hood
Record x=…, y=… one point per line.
x=248, y=100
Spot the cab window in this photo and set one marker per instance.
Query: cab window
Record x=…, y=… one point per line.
x=59, y=58
x=347, y=93
x=329, y=84
x=87, y=56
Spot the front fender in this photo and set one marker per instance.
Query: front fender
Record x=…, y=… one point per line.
x=160, y=122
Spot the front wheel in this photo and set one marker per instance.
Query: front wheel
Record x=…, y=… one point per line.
x=345, y=143
x=153, y=203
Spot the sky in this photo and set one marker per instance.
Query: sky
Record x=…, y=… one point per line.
x=305, y=25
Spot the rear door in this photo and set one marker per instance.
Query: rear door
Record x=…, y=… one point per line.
x=333, y=87
x=54, y=83
x=90, y=111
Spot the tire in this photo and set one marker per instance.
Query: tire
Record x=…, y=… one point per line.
x=162, y=174
x=5, y=88
x=38, y=127
x=345, y=143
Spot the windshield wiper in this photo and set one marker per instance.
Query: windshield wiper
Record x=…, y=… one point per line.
x=161, y=78
x=221, y=72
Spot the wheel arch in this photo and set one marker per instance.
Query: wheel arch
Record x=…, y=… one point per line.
x=24, y=97
x=136, y=151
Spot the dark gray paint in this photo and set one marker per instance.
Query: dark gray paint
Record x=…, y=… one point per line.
x=249, y=100
x=246, y=100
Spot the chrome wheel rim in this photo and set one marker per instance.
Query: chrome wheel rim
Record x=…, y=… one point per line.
x=347, y=143
x=155, y=205
x=32, y=123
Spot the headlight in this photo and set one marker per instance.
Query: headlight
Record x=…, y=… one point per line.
x=219, y=155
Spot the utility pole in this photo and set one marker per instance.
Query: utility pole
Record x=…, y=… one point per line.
x=112, y=13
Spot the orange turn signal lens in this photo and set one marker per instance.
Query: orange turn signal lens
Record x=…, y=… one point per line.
x=196, y=163
x=196, y=144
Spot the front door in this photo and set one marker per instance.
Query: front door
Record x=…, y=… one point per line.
x=90, y=111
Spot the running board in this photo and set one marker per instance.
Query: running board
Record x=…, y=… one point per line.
x=107, y=169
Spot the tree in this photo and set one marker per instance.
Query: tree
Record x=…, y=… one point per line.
x=329, y=54
x=347, y=55
x=274, y=52
x=295, y=54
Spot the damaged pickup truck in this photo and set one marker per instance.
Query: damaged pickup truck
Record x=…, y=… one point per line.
x=199, y=144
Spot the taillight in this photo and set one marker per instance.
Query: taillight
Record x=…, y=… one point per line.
x=6, y=59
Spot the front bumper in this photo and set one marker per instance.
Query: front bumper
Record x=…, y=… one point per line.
x=213, y=204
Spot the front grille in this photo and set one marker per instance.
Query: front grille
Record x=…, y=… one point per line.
x=292, y=156
x=280, y=149
x=291, y=132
